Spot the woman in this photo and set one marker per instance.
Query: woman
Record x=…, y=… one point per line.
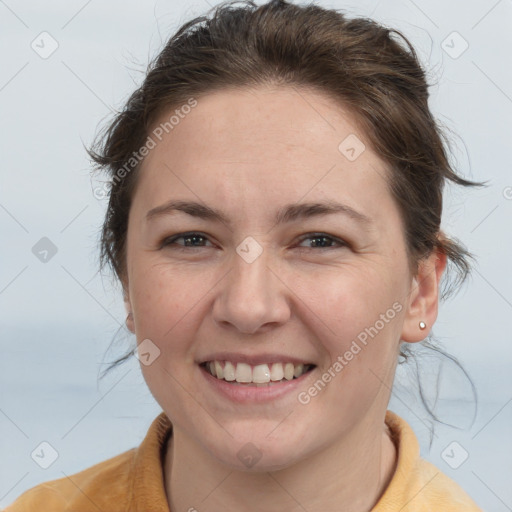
x=274, y=219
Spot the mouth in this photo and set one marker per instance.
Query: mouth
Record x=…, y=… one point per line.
x=260, y=375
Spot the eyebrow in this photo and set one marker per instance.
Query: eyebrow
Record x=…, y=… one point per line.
x=288, y=213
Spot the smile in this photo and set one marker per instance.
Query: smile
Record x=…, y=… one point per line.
x=260, y=375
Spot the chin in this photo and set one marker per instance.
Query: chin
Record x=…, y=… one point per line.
x=250, y=459
x=257, y=454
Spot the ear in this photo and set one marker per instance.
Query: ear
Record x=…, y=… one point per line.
x=128, y=306
x=423, y=302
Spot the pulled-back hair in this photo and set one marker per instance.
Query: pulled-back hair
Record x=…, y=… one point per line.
x=371, y=70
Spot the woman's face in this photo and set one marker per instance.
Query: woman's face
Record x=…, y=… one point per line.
x=293, y=252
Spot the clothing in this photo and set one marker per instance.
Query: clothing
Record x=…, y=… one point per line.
x=134, y=481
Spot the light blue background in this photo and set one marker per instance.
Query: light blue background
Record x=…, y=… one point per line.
x=58, y=318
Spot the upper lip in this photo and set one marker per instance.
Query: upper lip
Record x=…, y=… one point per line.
x=253, y=359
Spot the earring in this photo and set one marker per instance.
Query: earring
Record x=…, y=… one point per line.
x=423, y=325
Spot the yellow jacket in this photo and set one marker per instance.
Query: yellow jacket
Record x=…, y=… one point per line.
x=133, y=481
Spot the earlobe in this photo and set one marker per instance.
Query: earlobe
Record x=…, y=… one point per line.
x=423, y=300
x=130, y=324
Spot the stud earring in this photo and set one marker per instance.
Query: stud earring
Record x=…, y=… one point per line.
x=423, y=325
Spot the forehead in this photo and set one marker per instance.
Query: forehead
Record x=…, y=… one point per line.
x=263, y=120
x=264, y=146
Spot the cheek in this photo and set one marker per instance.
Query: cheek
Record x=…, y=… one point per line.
x=357, y=320
x=348, y=300
x=166, y=302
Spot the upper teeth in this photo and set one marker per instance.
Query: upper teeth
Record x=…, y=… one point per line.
x=259, y=374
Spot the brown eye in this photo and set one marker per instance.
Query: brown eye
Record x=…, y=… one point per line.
x=324, y=241
x=190, y=240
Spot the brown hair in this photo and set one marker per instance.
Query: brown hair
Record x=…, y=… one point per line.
x=370, y=69
x=357, y=61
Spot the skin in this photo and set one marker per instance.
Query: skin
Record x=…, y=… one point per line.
x=249, y=152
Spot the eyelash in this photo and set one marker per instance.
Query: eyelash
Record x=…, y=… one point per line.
x=171, y=240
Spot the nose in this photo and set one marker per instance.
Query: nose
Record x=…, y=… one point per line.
x=252, y=297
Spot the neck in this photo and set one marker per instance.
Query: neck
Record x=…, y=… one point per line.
x=355, y=472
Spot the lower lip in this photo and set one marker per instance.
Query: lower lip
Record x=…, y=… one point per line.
x=251, y=393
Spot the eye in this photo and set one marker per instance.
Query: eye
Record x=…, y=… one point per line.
x=189, y=241
x=197, y=240
x=323, y=241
